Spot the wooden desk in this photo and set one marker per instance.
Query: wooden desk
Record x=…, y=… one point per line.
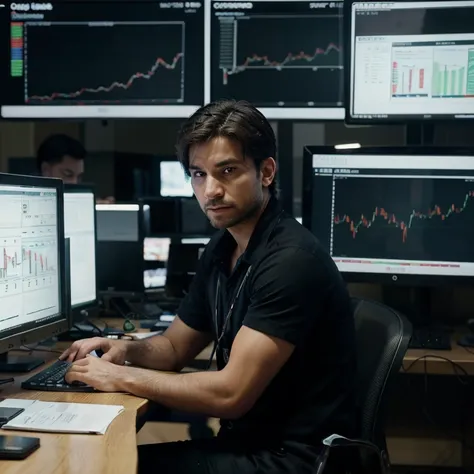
x=419, y=361
x=112, y=453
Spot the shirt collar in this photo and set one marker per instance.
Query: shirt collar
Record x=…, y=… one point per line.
x=260, y=235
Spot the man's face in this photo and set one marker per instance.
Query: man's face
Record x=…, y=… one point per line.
x=227, y=185
x=69, y=170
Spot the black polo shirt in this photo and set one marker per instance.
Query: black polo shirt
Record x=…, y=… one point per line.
x=293, y=291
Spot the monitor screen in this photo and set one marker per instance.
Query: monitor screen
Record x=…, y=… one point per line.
x=154, y=278
x=30, y=293
x=395, y=215
x=193, y=219
x=79, y=226
x=155, y=254
x=409, y=60
x=118, y=222
x=101, y=59
x=283, y=56
x=156, y=249
x=173, y=180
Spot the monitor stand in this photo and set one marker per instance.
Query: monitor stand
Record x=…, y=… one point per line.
x=24, y=363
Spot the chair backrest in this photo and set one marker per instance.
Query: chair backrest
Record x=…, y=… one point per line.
x=382, y=337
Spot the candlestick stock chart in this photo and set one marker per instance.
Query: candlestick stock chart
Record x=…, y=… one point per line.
x=404, y=218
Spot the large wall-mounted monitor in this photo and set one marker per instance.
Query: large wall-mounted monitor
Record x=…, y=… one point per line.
x=409, y=60
x=101, y=59
x=283, y=56
x=394, y=215
x=80, y=227
x=34, y=290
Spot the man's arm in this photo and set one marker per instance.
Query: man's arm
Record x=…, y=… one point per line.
x=255, y=359
x=277, y=320
x=172, y=351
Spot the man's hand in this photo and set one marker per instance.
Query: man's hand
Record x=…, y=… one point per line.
x=114, y=351
x=98, y=373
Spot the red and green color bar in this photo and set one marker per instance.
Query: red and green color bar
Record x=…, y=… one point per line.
x=16, y=46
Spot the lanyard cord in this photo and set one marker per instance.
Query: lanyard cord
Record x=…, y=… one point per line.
x=228, y=316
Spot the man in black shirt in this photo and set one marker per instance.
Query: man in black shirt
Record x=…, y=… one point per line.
x=270, y=298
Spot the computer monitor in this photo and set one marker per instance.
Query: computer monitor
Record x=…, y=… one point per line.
x=34, y=285
x=102, y=59
x=193, y=220
x=155, y=255
x=283, y=56
x=177, y=217
x=409, y=60
x=173, y=181
x=393, y=215
x=79, y=226
x=182, y=265
x=120, y=236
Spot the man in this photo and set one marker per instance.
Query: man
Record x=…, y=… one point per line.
x=60, y=156
x=270, y=298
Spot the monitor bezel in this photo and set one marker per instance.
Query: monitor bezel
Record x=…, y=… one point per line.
x=117, y=112
x=391, y=119
x=318, y=114
x=78, y=309
x=33, y=332
x=381, y=278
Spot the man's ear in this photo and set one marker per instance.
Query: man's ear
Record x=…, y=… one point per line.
x=268, y=169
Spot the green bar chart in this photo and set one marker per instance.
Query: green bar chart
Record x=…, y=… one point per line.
x=470, y=73
x=448, y=80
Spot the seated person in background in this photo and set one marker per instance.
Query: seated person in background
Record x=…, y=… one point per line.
x=61, y=156
x=270, y=298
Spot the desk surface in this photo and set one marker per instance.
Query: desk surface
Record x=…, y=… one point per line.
x=457, y=361
x=112, y=453
x=116, y=453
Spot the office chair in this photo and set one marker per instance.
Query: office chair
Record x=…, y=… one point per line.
x=382, y=337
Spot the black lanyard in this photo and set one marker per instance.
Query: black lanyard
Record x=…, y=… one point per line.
x=229, y=313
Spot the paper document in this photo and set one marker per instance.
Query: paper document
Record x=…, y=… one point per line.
x=61, y=417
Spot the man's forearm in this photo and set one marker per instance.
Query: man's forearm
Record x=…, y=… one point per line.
x=155, y=352
x=205, y=393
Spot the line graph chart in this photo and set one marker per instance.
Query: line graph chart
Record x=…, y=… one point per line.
x=160, y=62
x=126, y=63
x=294, y=60
x=405, y=218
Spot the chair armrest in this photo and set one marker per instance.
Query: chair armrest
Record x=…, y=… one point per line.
x=337, y=441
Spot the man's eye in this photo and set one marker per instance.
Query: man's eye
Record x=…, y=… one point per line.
x=198, y=174
x=228, y=170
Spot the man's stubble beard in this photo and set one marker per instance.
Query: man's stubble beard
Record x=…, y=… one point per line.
x=232, y=222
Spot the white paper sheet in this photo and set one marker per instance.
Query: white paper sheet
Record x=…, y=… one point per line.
x=61, y=417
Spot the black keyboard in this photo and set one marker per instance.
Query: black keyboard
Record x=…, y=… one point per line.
x=51, y=379
x=427, y=338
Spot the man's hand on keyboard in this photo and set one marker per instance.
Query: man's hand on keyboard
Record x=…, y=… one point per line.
x=114, y=351
x=98, y=373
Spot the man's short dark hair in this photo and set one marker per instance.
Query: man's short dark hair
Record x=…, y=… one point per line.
x=236, y=120
x=54, y=148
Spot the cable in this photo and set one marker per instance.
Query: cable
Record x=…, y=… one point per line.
x=456, y=367
x=463, y=379
x=38, y=349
